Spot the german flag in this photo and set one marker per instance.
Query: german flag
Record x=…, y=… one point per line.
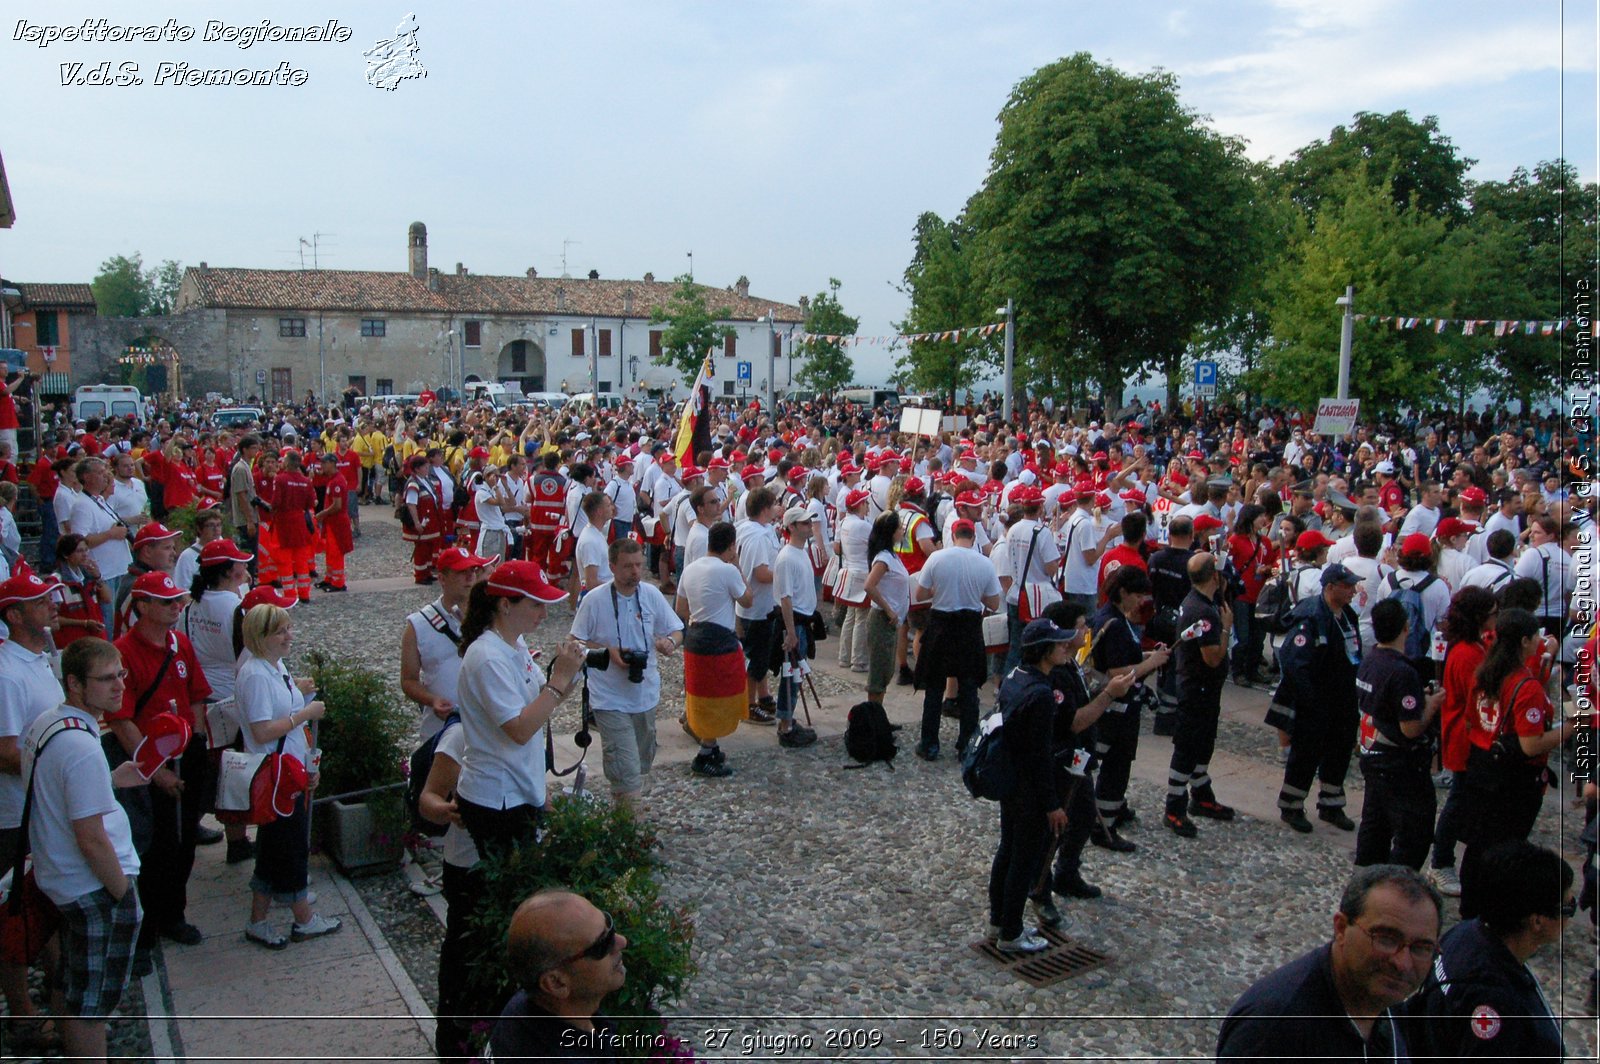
x=694, y=421
x=713, y=680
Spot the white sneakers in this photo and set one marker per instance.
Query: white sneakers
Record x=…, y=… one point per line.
x=1447, y=881
x=316, y=927
x=1030, y=941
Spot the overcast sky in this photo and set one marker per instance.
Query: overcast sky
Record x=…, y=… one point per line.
x=788, y=142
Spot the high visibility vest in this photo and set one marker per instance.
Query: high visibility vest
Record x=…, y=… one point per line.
x=905, y=544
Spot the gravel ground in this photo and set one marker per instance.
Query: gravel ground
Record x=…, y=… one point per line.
x=127, y=1035
x=842, y=897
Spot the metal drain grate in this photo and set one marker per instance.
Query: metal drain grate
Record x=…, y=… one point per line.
x=1064, y=959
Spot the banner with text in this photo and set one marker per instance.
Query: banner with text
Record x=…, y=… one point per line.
x=1336, y=417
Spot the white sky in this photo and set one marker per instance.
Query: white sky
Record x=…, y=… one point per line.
x=789, y=142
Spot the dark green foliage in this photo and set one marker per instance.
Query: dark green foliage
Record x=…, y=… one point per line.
x=601, y=852
x=692, y=329
x=827, y=367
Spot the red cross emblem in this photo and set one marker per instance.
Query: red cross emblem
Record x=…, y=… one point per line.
x=1485, y=1022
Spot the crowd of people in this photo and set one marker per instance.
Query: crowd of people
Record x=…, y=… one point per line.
x=1410, y=595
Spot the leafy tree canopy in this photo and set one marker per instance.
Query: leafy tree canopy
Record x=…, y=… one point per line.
x=1412, y=158
x=827, y=367
x=125, y=289
x=692, y=328
x=944, y=295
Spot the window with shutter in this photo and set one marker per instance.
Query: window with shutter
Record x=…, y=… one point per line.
x=605, y=343
x=578, y=350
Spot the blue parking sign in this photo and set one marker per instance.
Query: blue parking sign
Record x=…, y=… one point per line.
x=744, y=373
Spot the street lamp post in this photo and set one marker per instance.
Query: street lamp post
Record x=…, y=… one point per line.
x=1010, y=311
x=772, y=366
x=1346, y=337
x=594, y=360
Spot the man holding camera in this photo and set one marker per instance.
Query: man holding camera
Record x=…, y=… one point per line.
x=626, y=624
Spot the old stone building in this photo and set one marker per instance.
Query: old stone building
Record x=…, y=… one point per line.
x=277, y=334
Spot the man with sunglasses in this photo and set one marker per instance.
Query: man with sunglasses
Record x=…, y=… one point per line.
x=1334, y=1003
x=567, y=958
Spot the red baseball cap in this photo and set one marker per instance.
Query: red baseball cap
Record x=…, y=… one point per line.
x=749, y=471
x=1310, y=540
x=267, y=596
x=520, y=579
x=166, y=735
x=1027, y=495
x=1474, y=495
x=855, y=497
x=478, y=452
x=775, y=454
x=25, y=587
x=689, y=472
x=717, y=463
x=1205, y=523
x=1453, y=526
x=961, y=524
x=969, y=498
x=154, y=532
x=157, y=585
x=457, y=560
x=914, y=485
x=1416, y=543
x=1135, y=496
x=222, y=550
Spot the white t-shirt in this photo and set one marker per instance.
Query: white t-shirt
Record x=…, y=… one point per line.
x=459, y=849
x=264, y=693
x=1080, y=533
x=793, y=578
x=1017, y=538
x=209, y=626
x=594, y=550
x=633, y=622
x=1420, y=519
x=130, y=499
x=187, y=566
x=1435, y=597
x=490, y=517
x=28, y=687
x=73, y=782
x=894, y=585
x=853, y=533
x=710, y=586
x=625, y=498
x=65, y=500
x=960, y=578
x=758, y=546
x=498, y=680
x=1371, y=591
x=1493, y=574
x=1453, y=565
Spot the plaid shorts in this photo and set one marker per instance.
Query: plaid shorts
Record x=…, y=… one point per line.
x=97, y=938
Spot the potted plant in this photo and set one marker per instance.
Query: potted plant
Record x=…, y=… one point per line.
x=363, y=740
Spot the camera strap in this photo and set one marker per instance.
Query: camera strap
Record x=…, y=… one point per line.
x=616, y=613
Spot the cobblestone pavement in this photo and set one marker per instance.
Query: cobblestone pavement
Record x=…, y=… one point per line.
x=847, y=899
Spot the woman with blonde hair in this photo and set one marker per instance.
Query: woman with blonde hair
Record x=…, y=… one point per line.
x=274, y=710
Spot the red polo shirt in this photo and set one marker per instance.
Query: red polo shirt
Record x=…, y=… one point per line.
x=183, y=684
x=350, y=466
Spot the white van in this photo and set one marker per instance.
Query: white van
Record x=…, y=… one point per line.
x=502, y=396
x=107, y=400
x=871, y=398
x=583, y=402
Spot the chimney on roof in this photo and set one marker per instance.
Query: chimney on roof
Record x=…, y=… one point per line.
x=203, y=266
x=419, y=250
x=461, y=271
x=805, y=301
x=433, y=278
x=627, y=301
x=561, y=297
x=594, y=275
x=742, y=286
x=649, y=278
x=532, y=272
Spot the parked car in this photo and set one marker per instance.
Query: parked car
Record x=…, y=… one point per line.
x=237, y=416
x=584, y=402
x=544, y=400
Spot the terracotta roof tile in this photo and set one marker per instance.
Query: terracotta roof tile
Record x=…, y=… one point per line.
x=358, y=290
x=47, y=296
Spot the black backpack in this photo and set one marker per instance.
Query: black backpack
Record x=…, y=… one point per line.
x=421, y=765
x=985, y=769
x=1275, y=605
x=868, y=735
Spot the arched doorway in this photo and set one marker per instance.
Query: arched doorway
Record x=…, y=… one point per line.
x=522, y=363
x=152, y=365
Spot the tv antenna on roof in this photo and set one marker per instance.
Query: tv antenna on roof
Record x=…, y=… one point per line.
x=313, y=244
x=564, y=245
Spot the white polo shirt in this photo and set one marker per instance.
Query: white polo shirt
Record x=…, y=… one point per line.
x=710, y=586
x=28, y=688
x=91, y=516
x=266, y=692
x=633, y=622
x=209, y=625
x=73, y=782
x=1017, y=538
x=498, y=680
x=695, y=548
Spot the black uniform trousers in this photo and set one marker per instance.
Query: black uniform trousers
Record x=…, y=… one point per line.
x=1116, y=745
x=175, y=830
x=1321, y=743
x=1024, y=846
x=1199, y=707
x=1499, y=804
x=1397, y=816
x=1079, y=803
x=463, y=890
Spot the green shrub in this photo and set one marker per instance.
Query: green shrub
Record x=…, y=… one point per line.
x=364, y=737
x=601, y=852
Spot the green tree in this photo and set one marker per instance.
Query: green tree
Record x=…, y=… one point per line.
x=827, y=367
x=1413, y=158
x=1114, y=217
x=944, y=295
x=1399, y=261
x=1532, y=237
x=120, y=289
x=692, y=329
x=125, y=289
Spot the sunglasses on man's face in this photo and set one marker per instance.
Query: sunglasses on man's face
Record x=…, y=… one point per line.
x=600, y=948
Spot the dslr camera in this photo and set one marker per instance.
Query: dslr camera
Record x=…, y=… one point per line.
x=600, y=660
